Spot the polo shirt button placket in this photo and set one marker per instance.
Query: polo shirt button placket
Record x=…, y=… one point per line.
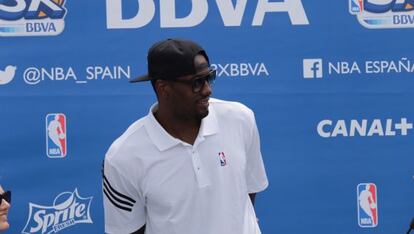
x=196, y=160
x=201, y=178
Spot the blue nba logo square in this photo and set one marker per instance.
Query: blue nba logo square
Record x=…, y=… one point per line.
x=367, y=205
x=56, y=144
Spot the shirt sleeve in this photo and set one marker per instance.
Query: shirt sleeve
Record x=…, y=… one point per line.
x=255, y=171
x=124, y=206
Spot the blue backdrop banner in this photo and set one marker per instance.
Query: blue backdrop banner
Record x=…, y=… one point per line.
x=329, y=81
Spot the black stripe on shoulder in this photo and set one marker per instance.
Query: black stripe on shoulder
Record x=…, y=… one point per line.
x=115, y=197
x=115, y=204
x=116, y=192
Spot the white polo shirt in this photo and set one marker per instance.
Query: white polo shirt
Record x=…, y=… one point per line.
x=172, y=187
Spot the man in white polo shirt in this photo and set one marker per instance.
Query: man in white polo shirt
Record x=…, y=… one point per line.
x=189, y=166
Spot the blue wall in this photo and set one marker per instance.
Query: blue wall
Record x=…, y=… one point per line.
x=77, y=61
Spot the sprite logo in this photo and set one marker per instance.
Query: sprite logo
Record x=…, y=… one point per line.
x=68, y=209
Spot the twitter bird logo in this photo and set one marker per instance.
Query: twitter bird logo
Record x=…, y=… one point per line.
x=7, y=75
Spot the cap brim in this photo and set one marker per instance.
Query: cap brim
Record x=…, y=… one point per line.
x=140, y=79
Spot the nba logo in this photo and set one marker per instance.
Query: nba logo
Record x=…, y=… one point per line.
x=356, y=6
x=222, y=157
x=367, y=205
x=56, y=146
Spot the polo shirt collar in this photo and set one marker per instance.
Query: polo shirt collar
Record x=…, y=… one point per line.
x=163, y=140
x=209, y=125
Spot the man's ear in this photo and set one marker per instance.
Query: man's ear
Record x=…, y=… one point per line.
x=162, y=88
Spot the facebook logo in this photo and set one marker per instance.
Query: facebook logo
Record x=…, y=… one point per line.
x=312, y=68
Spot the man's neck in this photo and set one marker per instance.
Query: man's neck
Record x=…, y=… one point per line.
x=183, y=129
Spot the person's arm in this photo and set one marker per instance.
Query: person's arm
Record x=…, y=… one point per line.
x=255, y=172
x=124, y=206
x=140, y=231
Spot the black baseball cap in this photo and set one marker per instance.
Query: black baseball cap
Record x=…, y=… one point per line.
x=170, y=59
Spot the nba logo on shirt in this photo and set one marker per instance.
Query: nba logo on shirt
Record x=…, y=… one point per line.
x=367, y=205
x=56, y=146
x=222, y=157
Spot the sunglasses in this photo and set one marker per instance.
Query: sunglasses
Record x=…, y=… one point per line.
x=197, y=83
x=6, y=196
